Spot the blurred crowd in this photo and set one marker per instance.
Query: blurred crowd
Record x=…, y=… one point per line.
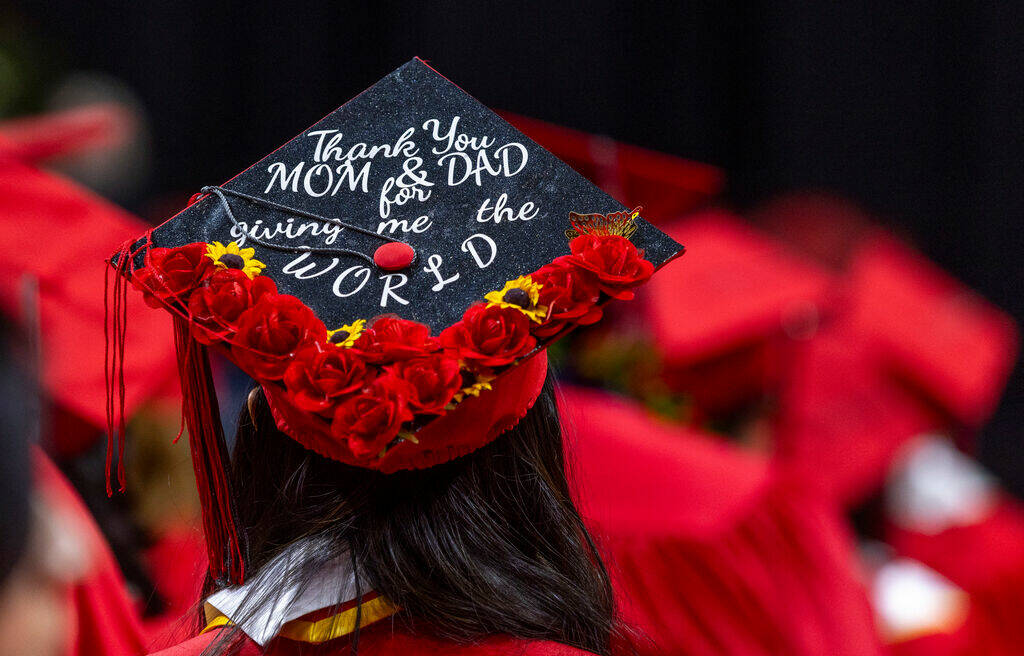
x=775, y=452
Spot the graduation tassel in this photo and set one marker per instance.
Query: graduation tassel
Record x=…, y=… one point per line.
x=115, y=320
x=200, y=414
x=210, y=460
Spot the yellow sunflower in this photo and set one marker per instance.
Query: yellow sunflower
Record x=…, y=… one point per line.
x=233, y=257
x=348, y=334
x=481, y=382
x=521, y=294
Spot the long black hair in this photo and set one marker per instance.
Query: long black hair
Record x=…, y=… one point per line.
x=490, y=543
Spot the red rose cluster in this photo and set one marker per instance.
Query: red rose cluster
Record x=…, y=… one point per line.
x=395, y=374
x=571, y=292
x=572, y=285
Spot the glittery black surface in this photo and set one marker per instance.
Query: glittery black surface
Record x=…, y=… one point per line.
x=406, y=99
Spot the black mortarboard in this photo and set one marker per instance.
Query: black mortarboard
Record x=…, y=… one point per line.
x=415, y=202
x=397, y=120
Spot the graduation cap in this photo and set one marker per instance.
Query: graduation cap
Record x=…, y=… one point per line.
x=390, y=277
x=723, y=340
x=934, y=334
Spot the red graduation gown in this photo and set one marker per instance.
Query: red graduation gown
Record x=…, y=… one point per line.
x=385, y=638
x=842, y=418
x=67, y=132
x=105, y=619
x=986, y=559
x=931, y=331
x=713, y=551
x=910, y=351
x=956, y=627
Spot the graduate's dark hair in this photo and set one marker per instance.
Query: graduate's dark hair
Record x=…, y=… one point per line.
x=490, y=543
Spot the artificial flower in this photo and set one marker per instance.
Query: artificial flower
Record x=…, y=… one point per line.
x=433, y=381
x=571, y=295
x=348, y=334
x=225, y=295
x=369, y=420
x=271, y=332
x=321, y=374
x=489, y=336
x=614, y=260
x=170, y=274
x=233, y=257
x=472, y=384
x=391, y=339
x=521, y=294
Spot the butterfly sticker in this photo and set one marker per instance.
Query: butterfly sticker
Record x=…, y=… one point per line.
x=617, y=223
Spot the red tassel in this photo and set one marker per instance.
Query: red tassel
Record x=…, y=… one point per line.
x=115, y=320
x=199, y=413
x=209, y=457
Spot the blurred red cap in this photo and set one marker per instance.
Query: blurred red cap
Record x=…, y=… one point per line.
x=665, y=185
x=59, y=234
x=723, y=315
x=933, y=332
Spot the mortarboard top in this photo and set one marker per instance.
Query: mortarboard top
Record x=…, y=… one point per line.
x=388, y=276
x=413, y=134
x=412, y=159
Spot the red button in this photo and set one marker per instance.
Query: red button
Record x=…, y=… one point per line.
x=394, y=256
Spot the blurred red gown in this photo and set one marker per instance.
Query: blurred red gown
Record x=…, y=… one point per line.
x=955, y=624
x=68, y=282
x=907, y=349
x=712, y=550
x=105, y=620
x=978, y=544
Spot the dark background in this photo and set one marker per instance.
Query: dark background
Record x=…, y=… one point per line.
x=912, y=109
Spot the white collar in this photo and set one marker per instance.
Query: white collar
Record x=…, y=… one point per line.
x=936, y=487
x=281, y=597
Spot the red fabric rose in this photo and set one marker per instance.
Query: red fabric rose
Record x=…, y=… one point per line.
x=369, y=420
x=490, y=336
x=570, y=294
x=433, y=381
x=170, y=274
x=321, y=374
x=615, y=261
x=216, y=306
x=270, y=332
x=391, y=339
